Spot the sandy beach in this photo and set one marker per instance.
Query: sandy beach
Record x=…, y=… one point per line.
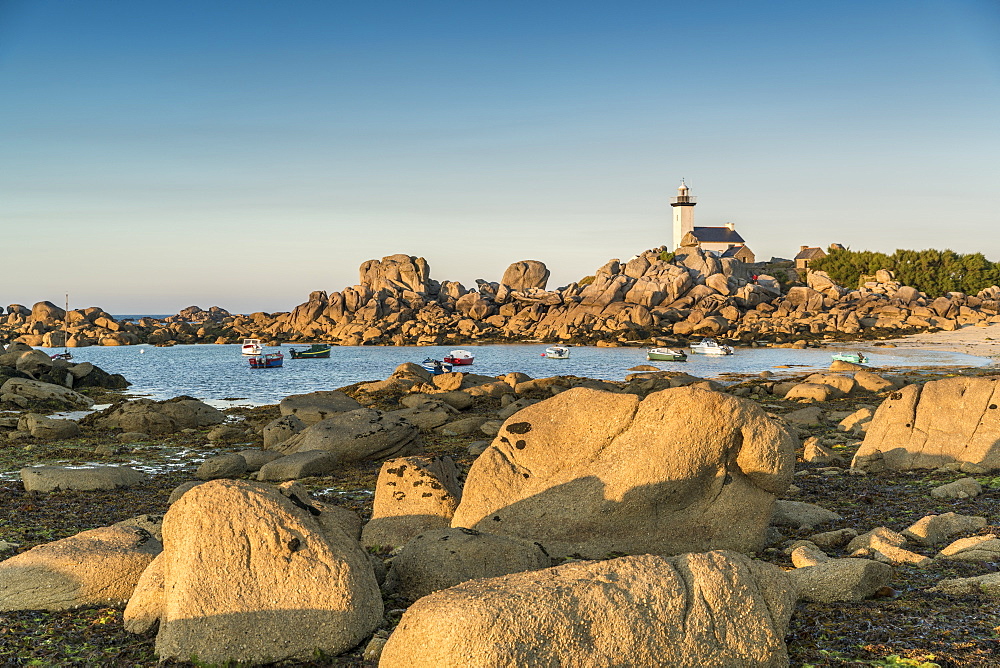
x=970, y=340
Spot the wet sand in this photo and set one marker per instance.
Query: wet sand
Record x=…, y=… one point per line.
x=970, y=340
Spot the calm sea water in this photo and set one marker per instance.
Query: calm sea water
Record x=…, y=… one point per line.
x=220, y=372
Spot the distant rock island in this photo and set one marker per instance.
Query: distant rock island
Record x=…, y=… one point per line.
x=658, y=297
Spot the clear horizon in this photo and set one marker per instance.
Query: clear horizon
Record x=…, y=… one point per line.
x=155, y=156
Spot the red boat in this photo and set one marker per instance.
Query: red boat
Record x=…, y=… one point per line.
x=459, y=358
x=268, y=361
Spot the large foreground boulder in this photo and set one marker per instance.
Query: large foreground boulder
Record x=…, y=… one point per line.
x=595, y=473
x=412, y=495
x=694, y=610
x=96, y=567
x=248, y=575
x=940, y=422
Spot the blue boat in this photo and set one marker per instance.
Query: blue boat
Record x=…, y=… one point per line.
x=268, y=361
x=436, y=367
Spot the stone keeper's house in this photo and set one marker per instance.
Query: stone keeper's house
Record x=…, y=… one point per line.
x=807, y=254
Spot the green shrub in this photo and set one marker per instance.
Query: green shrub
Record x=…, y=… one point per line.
x=931, y=271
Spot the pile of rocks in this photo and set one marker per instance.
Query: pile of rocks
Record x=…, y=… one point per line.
x=655, y=295
x=881, y=306
x=249, y=572
x=519, y=561
x=29, y=376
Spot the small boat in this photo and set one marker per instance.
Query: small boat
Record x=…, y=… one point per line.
x=666, y=355
x=316, y=350
x=266, y=361
x=855, y=358
x=459, y=357
x=251, y=347
x=65, y=354
x=711, y=347
x=556, y=353
x=436, y=367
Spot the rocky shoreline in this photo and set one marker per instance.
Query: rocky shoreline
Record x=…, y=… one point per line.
x=841, y=552
x=655, y=298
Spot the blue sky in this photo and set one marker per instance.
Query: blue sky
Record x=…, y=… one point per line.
x=155, y=155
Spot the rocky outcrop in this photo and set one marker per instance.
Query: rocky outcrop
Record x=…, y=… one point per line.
x=937, y=423
x=593, y=473
x=157, y=417
x=525, y=276
x=17, y=390
x=356, y=436
x=655, y=295
x=694, y=610
x=315, y=406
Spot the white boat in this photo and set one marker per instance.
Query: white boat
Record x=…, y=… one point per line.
x=460, y=357
x=252, y=347
x=711, y=347
x=556, y=353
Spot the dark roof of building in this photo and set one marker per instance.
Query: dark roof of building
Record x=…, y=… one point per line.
x=810, y=253
x=717, y=235
x=732, y=251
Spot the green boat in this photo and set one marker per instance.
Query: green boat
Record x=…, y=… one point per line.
x=855, y=358
x=666, y=355
x=316, y=350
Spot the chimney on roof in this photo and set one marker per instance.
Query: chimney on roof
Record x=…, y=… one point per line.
x=731, y=226
x=802, y=248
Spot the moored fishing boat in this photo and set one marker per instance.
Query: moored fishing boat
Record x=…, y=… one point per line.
x=711, y=347
x=251, y=347
x=266, y=361
x=436, y=367
x=556, y=353
x=459, y=357
x=316, y=350
x=666, y=355
x=855, y=358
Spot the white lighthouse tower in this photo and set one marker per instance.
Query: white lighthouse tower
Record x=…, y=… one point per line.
x=683, y=206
